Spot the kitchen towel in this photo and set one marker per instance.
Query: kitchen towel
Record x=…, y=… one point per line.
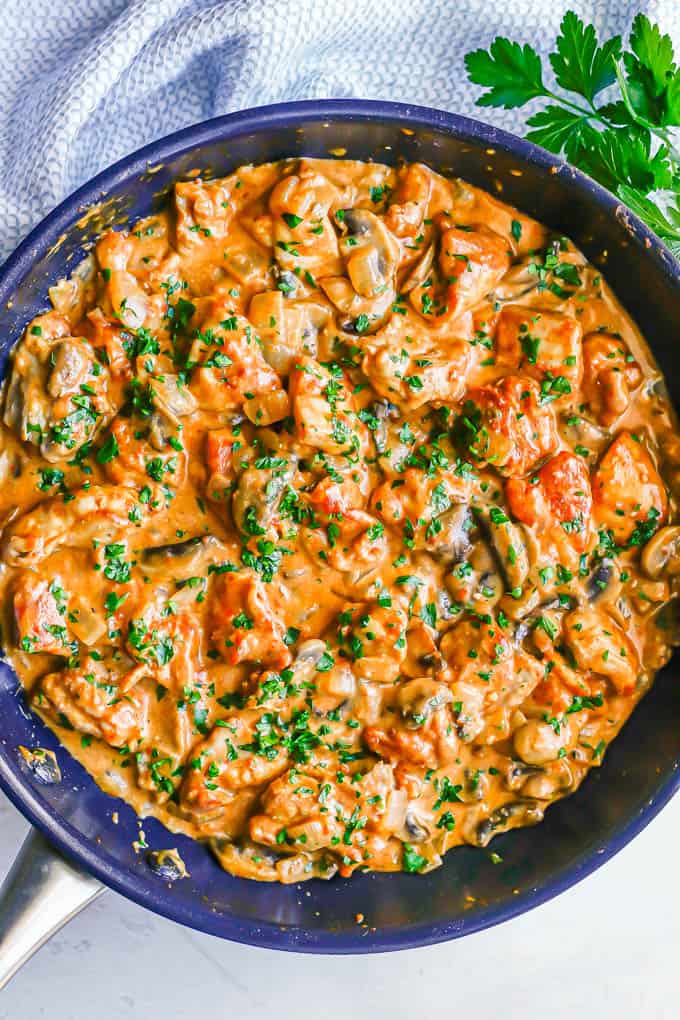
x=82, y=84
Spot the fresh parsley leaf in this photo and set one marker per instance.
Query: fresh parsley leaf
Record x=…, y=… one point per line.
x=580, y=65
x=513, y=73
x=624, y=144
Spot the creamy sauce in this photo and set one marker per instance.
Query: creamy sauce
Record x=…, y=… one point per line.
x=338, y=517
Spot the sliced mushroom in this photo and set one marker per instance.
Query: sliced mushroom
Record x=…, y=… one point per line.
x=604, y=584
x=246, y=860
x=371, y=257
x=452, y=542
x=167, y=864
x=184, y=558
x=256, y=499
x=531, y=602
x=418, y=826
x=579, y=431
x=70, y=361
x=661, y=555
x=475, y=785
x=309, y=653
x=383, y=412
x=518, y=772
x=508, y=816
x=507, y=541
x=537, y=742
x=172, y=399
x=420, y=272
x=42, y=763
x=520, y=279
x=418, y=699
x=550, y=784
x=287, y=282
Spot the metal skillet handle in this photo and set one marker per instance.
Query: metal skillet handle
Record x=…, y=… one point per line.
x=40, y=894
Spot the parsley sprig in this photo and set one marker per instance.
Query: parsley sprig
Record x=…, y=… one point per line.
x=626, y=143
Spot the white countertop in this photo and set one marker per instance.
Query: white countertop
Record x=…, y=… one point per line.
x=606, y=949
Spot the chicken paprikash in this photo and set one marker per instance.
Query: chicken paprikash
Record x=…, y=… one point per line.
x=338, y=516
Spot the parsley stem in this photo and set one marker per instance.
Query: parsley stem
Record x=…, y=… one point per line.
x=661, y=133
x=591, y=114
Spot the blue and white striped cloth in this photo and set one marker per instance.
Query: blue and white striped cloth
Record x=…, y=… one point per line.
x=82, y=84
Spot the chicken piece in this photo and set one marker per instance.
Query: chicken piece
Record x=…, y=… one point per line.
x=373, y=636
x=508, y=426
x=58, y=393
x=413, y=374
x=230, y=367
x=433, y=744
x=39, y=612
x=343, y=535
x=126, y=299
x=562, y=682
x=544, y=345
x=471, y=263
x=245, y=626
x=101, y=512
x=137, y=461
x=600, y=646
x=204, y=212
x=303, y=235
x=629, y=496
x=207, y=210
x=324, y=409
x=409, y=204
x=556, y=499
x=486, y=676
x=165, y=635
x=314, y=811
x=112, y=341
x=610, y=373
x=244, y=751
x=98, y=699
x=419, y=500
x=473, y=205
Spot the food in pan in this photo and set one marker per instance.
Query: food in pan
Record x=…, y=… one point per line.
x=338, y=512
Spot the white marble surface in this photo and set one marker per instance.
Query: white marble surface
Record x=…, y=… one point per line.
x=606, y=949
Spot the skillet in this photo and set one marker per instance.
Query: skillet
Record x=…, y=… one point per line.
x=400, y=911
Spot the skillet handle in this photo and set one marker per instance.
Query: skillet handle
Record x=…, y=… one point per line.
x=40, y=894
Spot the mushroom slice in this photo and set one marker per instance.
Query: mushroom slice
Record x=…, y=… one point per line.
x=371, y=256
x=518, y=772
x=604, y=584
x=172, y=399
x=257, y=497
x=309, y=654
x=520, y=280
x=58, y=394
x=418, y=825
x=508, y=816
x=420, y=272
x=246, y=860
x=452, y=542
x=418, y=699
x=167, y=864
x=507, y=541
x=661, y=555
x=42, y=763
x=185, y=558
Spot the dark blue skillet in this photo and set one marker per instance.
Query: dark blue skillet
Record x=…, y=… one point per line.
x=400, y=911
